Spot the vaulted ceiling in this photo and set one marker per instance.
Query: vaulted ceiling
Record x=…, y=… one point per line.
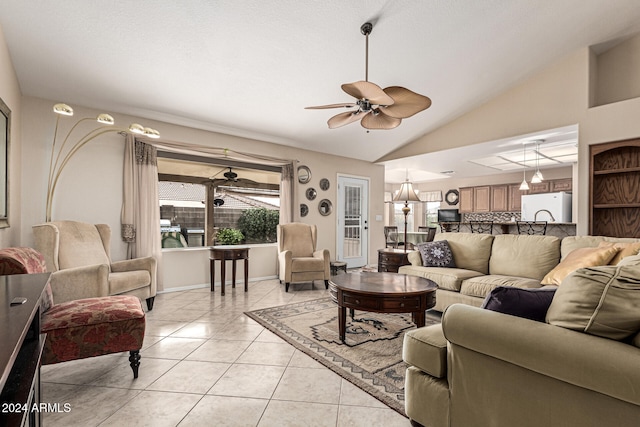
x=249, y=67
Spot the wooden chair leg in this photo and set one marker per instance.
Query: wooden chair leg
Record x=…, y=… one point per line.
x=134, y=358
x=150, y=301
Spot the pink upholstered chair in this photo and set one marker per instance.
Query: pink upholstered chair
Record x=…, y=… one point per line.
x=81, y=328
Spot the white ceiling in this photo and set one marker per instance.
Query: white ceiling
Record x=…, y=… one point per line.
x=249, y=67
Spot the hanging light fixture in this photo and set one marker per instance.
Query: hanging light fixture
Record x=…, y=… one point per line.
x=537, y=177
x=524, y=186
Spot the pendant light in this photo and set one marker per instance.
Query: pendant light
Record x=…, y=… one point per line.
x=537, y=177
x=524, y=186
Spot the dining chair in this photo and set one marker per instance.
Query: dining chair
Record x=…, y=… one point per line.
x=532, y=227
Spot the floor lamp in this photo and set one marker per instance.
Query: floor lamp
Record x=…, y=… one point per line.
x=407, y=195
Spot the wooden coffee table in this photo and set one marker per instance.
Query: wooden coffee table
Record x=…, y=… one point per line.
x=382, y=293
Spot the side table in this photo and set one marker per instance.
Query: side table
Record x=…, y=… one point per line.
x=228, y=253
x=389, y=260
x=336, y=266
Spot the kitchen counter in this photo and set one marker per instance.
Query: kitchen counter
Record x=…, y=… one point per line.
x=558, y=229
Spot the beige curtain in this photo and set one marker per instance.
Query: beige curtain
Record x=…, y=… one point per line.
x=140, y=216
x=286, y=183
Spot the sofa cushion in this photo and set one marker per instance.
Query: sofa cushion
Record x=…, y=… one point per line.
x=481, y=286
x=125, y=281
x=307, y=264
x=524, y=255
x=445, y=278
x=571, y=243
x=436, y=254
x=583, y=257
x=600, y=301
x=426, y=348
x=527, y=303
x=626, y=249
x=470, y=251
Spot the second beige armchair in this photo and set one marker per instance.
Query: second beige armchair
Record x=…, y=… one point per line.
x=79, y=258
x=299, y=261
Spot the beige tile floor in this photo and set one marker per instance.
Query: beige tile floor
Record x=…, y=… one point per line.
x=206, y=364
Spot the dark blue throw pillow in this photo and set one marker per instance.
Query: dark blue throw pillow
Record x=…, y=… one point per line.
x=528, y=303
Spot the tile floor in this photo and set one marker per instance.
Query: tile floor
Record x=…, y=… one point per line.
x=206, y=364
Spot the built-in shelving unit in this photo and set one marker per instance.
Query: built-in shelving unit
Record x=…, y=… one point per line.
x=614, y=201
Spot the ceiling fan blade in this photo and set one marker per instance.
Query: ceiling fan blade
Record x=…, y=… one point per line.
x=322, y=107
x=369, y=91
x=342, y=119
x=380, y=121
x=407, y=103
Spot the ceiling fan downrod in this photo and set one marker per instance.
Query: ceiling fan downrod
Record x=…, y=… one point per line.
x=366, y=29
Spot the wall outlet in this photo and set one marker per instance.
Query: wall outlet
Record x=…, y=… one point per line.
x=378, y=217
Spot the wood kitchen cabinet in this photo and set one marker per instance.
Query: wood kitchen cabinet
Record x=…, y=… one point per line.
x=482, y=199
x=515, y=194
x=466, y=200
x=540, y=187
x=561, y=185
x=499, y=198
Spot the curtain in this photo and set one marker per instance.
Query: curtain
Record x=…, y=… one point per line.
x=286, y=194
x=140, y=217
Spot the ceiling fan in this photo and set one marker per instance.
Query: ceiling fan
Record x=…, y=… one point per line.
x=377, y=108
x=231, y=179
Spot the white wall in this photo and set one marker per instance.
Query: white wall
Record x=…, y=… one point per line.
x=90, y=187
x=10, y=94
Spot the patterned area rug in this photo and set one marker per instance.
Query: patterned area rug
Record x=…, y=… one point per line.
x=370, y=358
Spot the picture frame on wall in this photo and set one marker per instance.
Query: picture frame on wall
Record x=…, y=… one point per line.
x=5, y=143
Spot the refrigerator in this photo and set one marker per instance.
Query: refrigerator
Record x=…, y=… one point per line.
x=551, y=207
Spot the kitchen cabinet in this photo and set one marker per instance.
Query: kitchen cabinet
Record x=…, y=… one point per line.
x=540, y=187
x=482, y=199
x=515, y=194
x=565, y=185
x=499, y=198
x=466, y=200
x=614, y=179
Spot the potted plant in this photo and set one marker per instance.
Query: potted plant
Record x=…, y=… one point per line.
x=229, y=236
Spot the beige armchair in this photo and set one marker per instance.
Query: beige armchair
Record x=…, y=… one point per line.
x=297, y=255
x=78, y=256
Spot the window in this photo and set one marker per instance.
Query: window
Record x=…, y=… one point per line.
x=431, y=214
x=200, y=196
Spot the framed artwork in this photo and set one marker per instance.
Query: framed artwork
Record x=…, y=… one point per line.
x=5, y=140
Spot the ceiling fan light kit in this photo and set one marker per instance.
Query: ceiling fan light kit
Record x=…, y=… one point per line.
x=376, y=108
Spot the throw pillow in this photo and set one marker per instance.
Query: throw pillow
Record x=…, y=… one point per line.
x=436, y=254
x=579, y=258
x=601, y=301
x=528, y=303
x=626, y=249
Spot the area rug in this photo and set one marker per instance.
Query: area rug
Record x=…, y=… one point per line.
x=370, y=358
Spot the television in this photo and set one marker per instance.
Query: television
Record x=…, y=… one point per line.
x=448, y=215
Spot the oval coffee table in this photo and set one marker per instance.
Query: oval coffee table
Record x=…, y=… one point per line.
x=382, y=293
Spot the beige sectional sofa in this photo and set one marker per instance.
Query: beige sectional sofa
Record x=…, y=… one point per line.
x=485, y=261
x=484, y=368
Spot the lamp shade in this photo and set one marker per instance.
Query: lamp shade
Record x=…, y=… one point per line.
x=406, y=193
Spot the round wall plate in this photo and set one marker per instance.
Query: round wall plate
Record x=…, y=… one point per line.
x=304, y=174
x=311, y=193
x=324, y=184
x=304, y=209
x=325, y=207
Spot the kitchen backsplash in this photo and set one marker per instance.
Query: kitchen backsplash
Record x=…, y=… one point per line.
x=491, y=216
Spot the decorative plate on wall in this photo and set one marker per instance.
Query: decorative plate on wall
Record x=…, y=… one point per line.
x=311, y=193
x=325, y=207
x=304, y=174
x=324, y=184
x=304, y=209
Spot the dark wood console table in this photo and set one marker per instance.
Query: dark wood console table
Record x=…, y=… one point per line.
x=390, y=260
x=227, y=253
x=21, y=348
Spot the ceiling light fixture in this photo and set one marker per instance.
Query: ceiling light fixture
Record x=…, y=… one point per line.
x=537, y=177
x=61, y=156
x=378, y=108
x=524, y=186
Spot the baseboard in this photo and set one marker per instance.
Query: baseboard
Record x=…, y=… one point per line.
x=207, y=285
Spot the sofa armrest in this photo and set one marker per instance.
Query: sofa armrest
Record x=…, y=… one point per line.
x=415, y=258
x=284, y=265
x=599, y=364
x=80, y=282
